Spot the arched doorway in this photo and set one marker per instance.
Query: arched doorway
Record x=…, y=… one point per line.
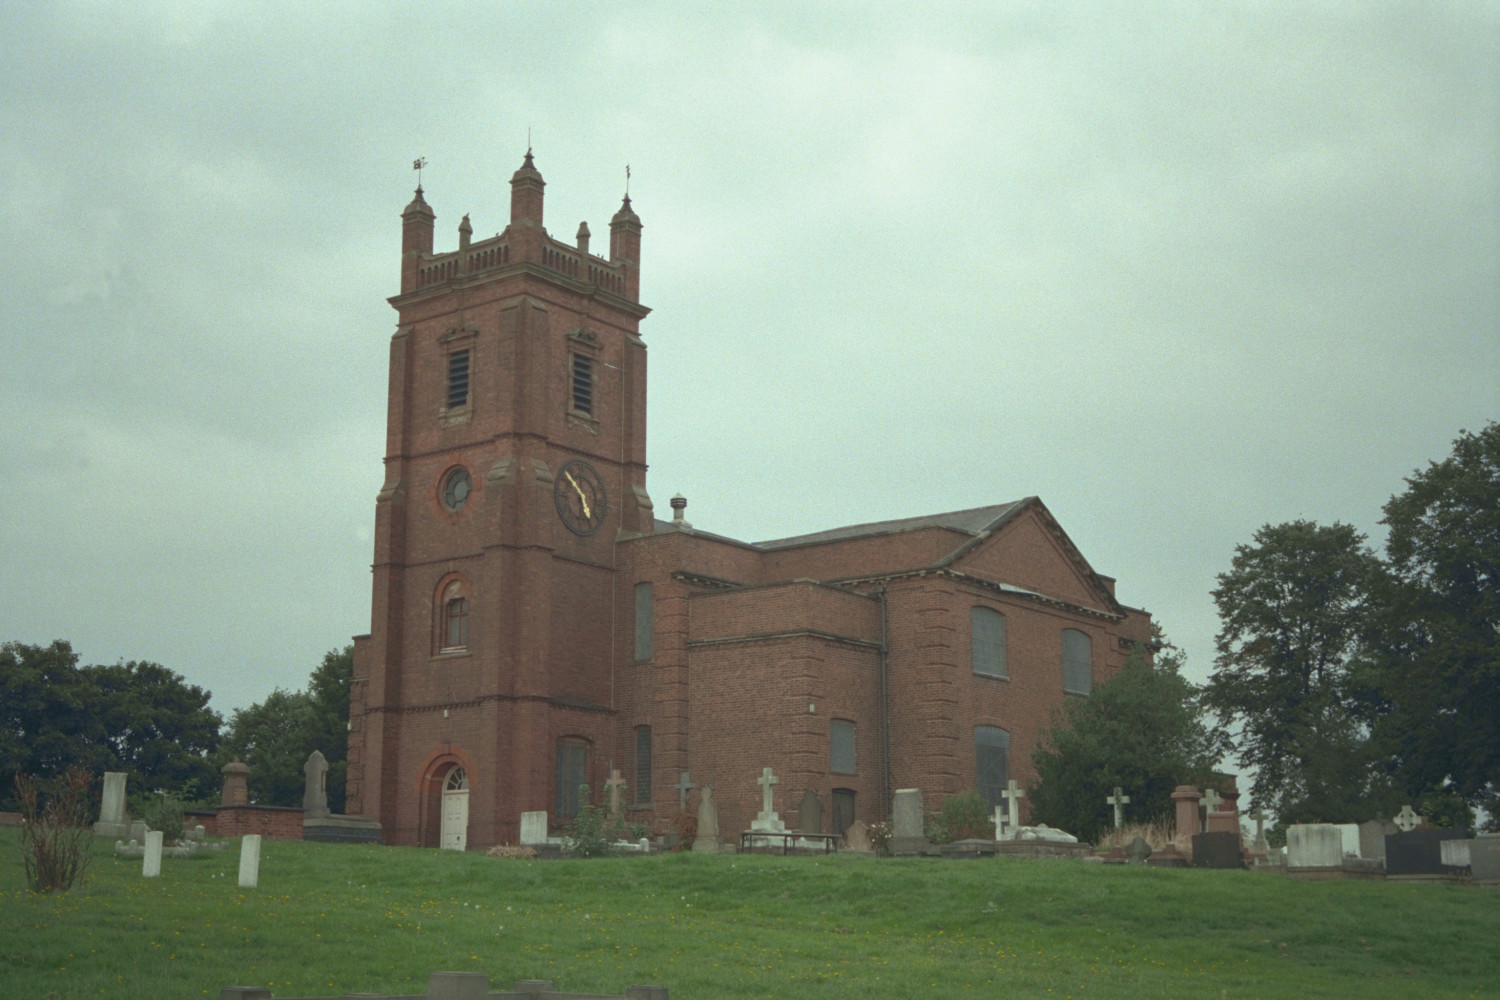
x=454, y=832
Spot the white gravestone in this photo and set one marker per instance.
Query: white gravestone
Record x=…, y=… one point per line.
x=1314, y=845
x=1119, y=800
x=707, y=839
x=907, y=838
x=1349, y=832
x=999, y=822
x=1455, y=853
x=113, y=821
x=615, y=787
x=1013, y=796
x=767, y=819
x=1407, y=819
x=249, y=861
x=151, y=862
x=533, y=828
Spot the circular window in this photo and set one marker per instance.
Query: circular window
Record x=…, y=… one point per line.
x=457, y=486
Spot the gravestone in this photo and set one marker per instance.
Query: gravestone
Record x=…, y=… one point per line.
x=1455, y=853
x=857, y=838
x=1314, y=845
x=1137, y=851
x=1349, y=839
x=707, y=839
x=1041, y=841
x=1119, y=800
x=1000, y=818
x=1217, y=849
x=1211, y=801
x=113, y=820
x=1185, y=798
x=1372, y=834
x=1484, y=859
x=315, y=786
x=810, y=813
x=907, y=838
x=683, y=786
x=151, y=862
x=1419, y=852
x=1407, y=819
x=1259, y=815
x=249, y=861
x=615, y=786
x=138, y=830
x=534, y=828
x=236, y=790
x=767, y=819
x=1013, y=796
x=458, y=986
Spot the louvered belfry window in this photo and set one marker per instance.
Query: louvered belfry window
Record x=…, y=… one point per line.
x=458, y=379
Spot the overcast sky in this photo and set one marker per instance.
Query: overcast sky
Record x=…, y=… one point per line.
x=1179, y=270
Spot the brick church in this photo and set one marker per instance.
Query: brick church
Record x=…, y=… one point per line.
x=535, y=625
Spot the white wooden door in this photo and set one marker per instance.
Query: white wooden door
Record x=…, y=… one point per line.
x=455, y=828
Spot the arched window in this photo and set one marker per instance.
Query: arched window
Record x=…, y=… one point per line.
x=643, y=765
x=991, y=762
x=572, y=773
x=987, y=641
x=452, y=617
x=1077, y=662
x=644, y=621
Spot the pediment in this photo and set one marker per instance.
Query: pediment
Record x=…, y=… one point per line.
x=1030, y=551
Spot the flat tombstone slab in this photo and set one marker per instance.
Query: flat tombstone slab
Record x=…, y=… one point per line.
x=458, y=986
x=1137, y=851
x=1455, y=853
x=1372, y=834
x=151, y=862
x=810, y=813
x=249, y=861
x=906, y=816
x=113, y=821
x=533, y=828
x=315, y=786
x=1419, y=852
x=1484, y=859
x=857, y=838
x=1314, y=845
x=1217, y=850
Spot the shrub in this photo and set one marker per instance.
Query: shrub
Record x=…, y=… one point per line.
x=963, y=817
x=686, y=827
x=880, y=838
x=589, y=835
x=163, y=811
x=56, y=839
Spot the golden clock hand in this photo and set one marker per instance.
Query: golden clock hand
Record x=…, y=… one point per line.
x=581, y=497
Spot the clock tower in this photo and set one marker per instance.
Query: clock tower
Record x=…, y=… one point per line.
x=515, y=459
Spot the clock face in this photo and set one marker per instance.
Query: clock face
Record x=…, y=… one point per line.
x=580, y=496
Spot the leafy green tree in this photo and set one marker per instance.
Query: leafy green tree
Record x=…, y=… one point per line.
x=1440, y=626
x=140, y=718
x=1295, y=609
x=276, y=736
x=1142, y=730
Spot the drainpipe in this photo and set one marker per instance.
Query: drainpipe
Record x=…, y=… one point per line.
x=885, y=715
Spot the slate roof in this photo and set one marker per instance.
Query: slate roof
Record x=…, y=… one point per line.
x=970, y=522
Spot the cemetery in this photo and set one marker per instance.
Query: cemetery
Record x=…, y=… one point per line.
x=781, y=909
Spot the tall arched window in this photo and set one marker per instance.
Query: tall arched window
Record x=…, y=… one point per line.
x=572, y=774
x=1077, y=662
x=987, y=641
x=452, y=617
x=991, y=762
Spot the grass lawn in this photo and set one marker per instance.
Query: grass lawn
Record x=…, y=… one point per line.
x=332, y=919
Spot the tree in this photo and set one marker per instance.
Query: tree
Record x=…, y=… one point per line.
x=1440, y=627
x=1142, y=730
x=275, y=737
x=139, y=718
x=1295, y=610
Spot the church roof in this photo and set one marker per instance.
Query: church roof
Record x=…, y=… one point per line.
x=974, y=521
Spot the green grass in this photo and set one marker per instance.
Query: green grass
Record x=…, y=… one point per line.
x=329, y=919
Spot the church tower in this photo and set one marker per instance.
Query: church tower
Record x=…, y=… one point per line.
x=515, y=458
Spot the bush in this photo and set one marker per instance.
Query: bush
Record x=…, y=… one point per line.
x=880, y=838
x=686, y=828
x=963, y=817
x=56, y=839
x=590, y=835
x=162, y=811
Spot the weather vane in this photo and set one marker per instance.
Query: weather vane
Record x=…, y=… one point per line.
x=417, y=165
x=627, y=180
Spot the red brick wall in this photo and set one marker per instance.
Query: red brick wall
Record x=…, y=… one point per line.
x=275, y=822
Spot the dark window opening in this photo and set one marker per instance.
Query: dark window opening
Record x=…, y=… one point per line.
x=991, y=764
x=583, y=384
x=458, y=379
x=643, y=765
x=843, y=809
x=572, y=774
x=987, y=641
x=841, y=740
x=1077, y=662
x=456, y=623
x=644, y=620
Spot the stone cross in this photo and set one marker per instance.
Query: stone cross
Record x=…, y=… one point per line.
x=1212, y=800
x=615, y=784
x=765, y=781
x=1013, y=796
x=1259, y=815
x=683, y=786
x=1408, y=820
x=999, y=822
x=1119, y=800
